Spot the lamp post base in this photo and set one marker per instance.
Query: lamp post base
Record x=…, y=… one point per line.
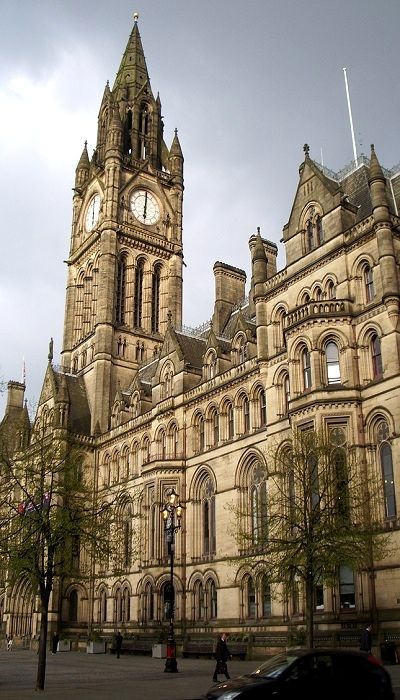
x=171, y=664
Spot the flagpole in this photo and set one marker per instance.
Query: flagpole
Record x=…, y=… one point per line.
x=350, y=116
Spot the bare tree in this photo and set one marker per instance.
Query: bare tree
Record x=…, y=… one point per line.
x=316, y=516
x=53, y=523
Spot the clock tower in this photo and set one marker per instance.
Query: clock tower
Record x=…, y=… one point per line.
x=125, y=262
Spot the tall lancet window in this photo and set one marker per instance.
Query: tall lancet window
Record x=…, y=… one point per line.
x=155, y=300
x=144, y=123
x=127, y=133
x=120, y=291
x=138, y=303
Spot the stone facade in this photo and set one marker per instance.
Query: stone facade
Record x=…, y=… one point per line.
x=158, y=406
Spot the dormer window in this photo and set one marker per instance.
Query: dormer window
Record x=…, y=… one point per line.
x=313, y=231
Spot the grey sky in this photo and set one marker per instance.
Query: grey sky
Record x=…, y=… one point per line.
x=245, y=83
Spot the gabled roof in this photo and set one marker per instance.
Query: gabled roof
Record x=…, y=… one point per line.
x=79, y=413
x=192, y=349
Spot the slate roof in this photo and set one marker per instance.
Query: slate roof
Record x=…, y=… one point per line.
x=79, y=413
x=354, y=183
x=193, y=348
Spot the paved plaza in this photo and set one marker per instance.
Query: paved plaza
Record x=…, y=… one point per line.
x=80, y=676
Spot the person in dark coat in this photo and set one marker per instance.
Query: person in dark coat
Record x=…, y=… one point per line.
x=54, y=643
x=366, y=639
x=222, y=655
x=118, y=643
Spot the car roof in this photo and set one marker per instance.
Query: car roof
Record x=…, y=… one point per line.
x=300, y=651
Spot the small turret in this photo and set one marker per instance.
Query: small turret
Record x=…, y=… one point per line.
x=176, y=160
x=114, y=133
x=377, y=185
x=384, y=237
x=82, y=169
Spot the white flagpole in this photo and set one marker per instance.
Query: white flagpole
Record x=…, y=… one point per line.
x=350, y=116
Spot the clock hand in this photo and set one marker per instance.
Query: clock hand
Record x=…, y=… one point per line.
x=145, y=206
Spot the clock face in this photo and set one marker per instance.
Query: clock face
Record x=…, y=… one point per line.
x=145, y=207
x=92, y=213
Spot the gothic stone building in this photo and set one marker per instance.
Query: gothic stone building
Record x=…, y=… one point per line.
x=157, y=406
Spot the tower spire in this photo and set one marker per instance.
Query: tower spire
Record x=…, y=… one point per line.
x=132, y=75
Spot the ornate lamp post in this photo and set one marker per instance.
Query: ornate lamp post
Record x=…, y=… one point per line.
x=172, y=513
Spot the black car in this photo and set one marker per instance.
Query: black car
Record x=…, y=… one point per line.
x=326, y=674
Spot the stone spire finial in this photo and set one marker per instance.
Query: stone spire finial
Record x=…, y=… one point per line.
x=50, y=355
x=306, y=149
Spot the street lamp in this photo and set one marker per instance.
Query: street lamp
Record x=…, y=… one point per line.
x=172, y=513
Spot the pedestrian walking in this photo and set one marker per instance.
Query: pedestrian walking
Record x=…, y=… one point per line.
x=118, y=643
x=222, y=655
x=9, y=641
x=366, y=639
x=54, y=643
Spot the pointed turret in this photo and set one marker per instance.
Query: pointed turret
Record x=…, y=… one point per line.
x=384, y=237
x=103, y=121
x=259, y=265
x=176, y=159
x=377, y=184
x=82, y=169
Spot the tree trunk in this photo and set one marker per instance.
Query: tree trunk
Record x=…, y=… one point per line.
x=41, y=669
x=310, y=612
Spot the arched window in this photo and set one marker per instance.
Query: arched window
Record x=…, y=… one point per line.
x=120, y=291
x=266, y=597
x=214, y=426
x=279, y=326
x=107, y=470
x=230, y=421
x=73, y=606
x=261, y=407
x=208, y=517
x=306, y=368
x=148, y=603
x=102, y=617
x=144, y=123
x=369, y=283
x=173, y=440
x=242, y=351
x=155, y=300
x=138, y=302
x=317, y=293
x=309, y=236
x=330, y=290
x=162, y=444
x=386, y=462
x=199, y=433
x=211, y=600
x=135, y=458
x=250, y=598
x=332, y=363
x=125, y=603
x=376, y=356
x=286, y=394
x=198, y=595
x=127, y=144
x=146, y=450
x=211, y=366
x=259, y=505
x=246, y=415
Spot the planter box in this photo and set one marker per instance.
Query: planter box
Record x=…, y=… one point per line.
x=64, y=645
x=96, y=647
x=159, y=651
